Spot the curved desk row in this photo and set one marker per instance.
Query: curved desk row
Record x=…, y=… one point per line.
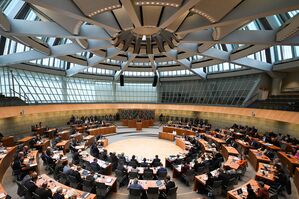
x=5, y=162
x=179, y=131
x=102, y=130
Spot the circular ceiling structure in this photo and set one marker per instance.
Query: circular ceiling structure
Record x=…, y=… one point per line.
x=151, y=36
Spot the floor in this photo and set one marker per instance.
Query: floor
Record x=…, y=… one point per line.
x=144, y=144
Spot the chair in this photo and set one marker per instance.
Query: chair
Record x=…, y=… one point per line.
x=133, y=175
x=200, y=170
x=102, y=190
x=74, y=183
x=148, y=175
x=135, y=193
x=88, y=185
x=35, y=196
x=152, y=193
x=27, y=193
x=132, y=164
x=121, y=177
x=171, y=194
x=21, y=189
x=63, y=178
x=228, y=186
x=216, y=189
x=188, y=176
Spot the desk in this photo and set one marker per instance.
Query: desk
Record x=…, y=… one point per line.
x=228, y=150
x=124, y=122
x=132, y=123
x=296, y=178
x=53, y=184
x=205, y=146
x=89, y=140
x=42, y=144
x=25, y=140
x=179, y=131
x=166, y=136
x=234, y=162
x=233, y=194
x=182, y=143
x=201, y=179
x=269, y=146
x=8, y=141
x=5, y=161
x=78, y=136
x=107, y=166
x=255, y=157
x=32, y=160
x=214, y=139
x=141, y=169
x=289, y=160
x=103, y=141
x=265, y=173
x=138, y=126
x=150, y=184
x=80, y=129
x=64, y=145
x=65, y=135
x=51, y=132
x=102, y=130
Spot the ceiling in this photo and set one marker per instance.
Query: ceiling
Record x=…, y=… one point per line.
x=151, y=32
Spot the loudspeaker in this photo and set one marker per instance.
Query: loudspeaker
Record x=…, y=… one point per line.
x=155, y=81
x=122, y=80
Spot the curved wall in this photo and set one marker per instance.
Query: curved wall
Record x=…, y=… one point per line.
x=17, y=120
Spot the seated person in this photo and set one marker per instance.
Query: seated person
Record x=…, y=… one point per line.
x=185, y=168
x=161, y=170
x=156, y=162
x=76, y=156
x=58, y=194
x=169, y=184
x=94, y=151
x=76, y=174
x=144, y=163
x=66, y=167
x=178, y=160
x=43, y=191
x=49, y=151
x=25, y=150
x=95, y=166
x=30, y=184
x=133, y=161
x=135, y=185
x=250, y=191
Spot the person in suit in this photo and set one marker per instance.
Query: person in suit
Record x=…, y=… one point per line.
x=161, y=170
x=262, y=192
x=95, y=166
x=76, y=157
x=144, y=163
x=169, y=184
x=156, y=162
x=251, y=193
x=94, y=151
x=135, y=185
x=30, y=184
x=58, y=194
x=133, y=160
x=43, y=191
x=25, y=150
x=76, y=174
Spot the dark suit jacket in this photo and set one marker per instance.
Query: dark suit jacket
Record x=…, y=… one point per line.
x=30, y=185
x=95, y=166
x=44, y=193
x=170, y=184
x=58, y=196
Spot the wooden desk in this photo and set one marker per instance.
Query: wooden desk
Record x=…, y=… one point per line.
x=78, y=137
x=147, y=123
x=132, y=123
x=65, y=135
x=32, y=160
x=150, y=184
x=205, y=146
x=296, y=178
x=53, y=184
x=255, y=157
x=265, y=173
x=42, y=144
x=202, y=179
x=139, y=126
x=102, y=130
x=8, y=141
x=51, y=132
x=89, y=140
x=269, y=146
x=179, y=131
x=141, y=169
x=182, y=143
x=214, y=139
x=64, y=145
x=233, y=194
x=234, y=162
x=25, y=140
x=103, y=141
x=228, y=150
x=166, y=136
x=124, y=122
x=80, y=129
x=289, y=160
x=288, y=147
x=5, y=161
x=107, y=166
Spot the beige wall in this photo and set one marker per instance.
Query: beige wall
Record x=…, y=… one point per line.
x=291, y=82
x=12, y=123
